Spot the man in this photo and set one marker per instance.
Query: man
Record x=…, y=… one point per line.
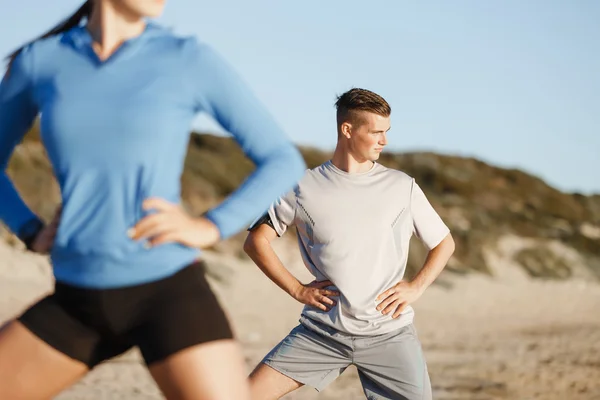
x=354, y=220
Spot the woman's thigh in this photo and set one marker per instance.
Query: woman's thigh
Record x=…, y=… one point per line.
x=32, y=369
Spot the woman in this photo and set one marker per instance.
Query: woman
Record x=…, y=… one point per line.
x=116, y=98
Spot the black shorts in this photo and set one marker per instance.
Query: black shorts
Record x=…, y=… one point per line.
x=161, y=318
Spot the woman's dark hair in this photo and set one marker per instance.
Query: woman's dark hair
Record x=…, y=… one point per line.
x=84, y=11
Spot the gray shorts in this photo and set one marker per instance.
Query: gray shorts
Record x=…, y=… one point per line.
x=390, y=366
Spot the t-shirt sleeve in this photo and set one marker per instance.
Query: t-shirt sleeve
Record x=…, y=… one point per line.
x=427, y=224
x=283, y=212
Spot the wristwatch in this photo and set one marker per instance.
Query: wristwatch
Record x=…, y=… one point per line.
x=29, y=231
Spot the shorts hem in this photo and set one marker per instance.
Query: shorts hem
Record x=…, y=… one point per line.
x=182, y=348
x=318, y=388
x=40, y=335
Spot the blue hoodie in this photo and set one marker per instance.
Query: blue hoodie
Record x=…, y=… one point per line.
x=116, y=133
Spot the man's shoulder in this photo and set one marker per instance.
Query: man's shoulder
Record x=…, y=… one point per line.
x=322, y=171
x=304, y=182
x=395, y=175
x=311, y=174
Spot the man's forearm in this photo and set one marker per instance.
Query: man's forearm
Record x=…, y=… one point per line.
x=436, y=260
x=261, y=252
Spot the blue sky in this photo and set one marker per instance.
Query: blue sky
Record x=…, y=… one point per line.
x=514, y=83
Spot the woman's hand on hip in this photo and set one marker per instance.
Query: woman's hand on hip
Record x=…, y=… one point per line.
x=170, y=223
x=44, y=240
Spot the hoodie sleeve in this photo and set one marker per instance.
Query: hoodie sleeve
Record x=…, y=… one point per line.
x=17, y=113
x=221, y=93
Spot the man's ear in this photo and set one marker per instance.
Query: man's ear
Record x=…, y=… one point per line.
x=346, y=130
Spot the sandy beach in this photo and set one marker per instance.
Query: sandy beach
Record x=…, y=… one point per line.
x=509, y=337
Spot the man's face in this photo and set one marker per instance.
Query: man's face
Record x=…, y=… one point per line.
x=367, y=135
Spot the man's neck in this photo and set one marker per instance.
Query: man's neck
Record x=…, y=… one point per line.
x=346, y=161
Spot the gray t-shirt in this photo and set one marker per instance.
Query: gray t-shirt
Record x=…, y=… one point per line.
x=354, y=230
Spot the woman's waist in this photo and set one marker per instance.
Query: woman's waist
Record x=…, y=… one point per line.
x=117, y=266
